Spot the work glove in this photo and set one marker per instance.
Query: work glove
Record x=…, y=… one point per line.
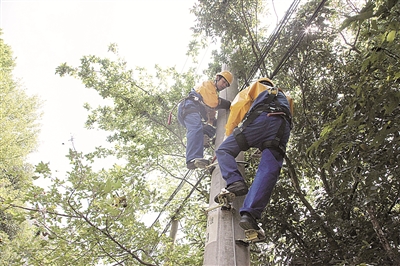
x=209, y=130
x=223, y=104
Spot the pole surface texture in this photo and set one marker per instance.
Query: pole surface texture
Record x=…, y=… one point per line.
x=223, y=225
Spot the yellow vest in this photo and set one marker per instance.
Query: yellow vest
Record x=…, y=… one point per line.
x=208, y=91
x=242, y=103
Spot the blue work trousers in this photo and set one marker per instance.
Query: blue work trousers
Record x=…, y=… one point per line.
x=263, y=128
x=191, y=119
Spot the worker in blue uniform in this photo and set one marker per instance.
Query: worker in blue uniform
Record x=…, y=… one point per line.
x=197, y=114
x=265, y=126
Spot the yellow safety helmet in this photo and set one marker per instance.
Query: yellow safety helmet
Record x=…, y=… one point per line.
x=226, y=75
x=266, y=81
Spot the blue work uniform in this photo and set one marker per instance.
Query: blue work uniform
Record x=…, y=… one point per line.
x=201, y=105
x=190, y=113
x=265, y=127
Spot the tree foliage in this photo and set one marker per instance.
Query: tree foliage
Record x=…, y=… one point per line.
x=122, y=215
x=337, y=200
x=19, y=130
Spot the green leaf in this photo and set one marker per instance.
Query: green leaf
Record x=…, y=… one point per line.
x=391, y=35
x=43, y=168
x=117, y=184
x=326, y=130
x=108, y=186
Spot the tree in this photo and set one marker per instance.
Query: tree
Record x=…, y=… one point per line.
x=337, y=200
x=339, y=190
x=19, y=130
x=96, y=217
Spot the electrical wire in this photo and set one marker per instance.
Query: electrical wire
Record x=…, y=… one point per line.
x=183, y=203
x=274, y=36
x=180, y=208
x=298, y=40
x=184, y=179
x=271, y=40
x=202, y=59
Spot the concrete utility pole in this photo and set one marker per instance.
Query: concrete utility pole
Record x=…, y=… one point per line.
x=174, y=230
x=222, y=225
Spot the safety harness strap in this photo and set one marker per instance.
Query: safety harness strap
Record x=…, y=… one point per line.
x=252, y=115
x=241, y=139
x=200, y=107
x=276, y=143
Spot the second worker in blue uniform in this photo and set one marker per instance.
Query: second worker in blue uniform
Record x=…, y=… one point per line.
x=266, y=126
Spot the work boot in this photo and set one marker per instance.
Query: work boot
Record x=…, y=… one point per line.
x=197, y=163
x=248, y=222
x=190, y=165
x=201, y=163
x=239, y=188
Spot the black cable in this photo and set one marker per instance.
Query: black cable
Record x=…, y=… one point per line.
x=187, y=175
x=297, y=41
x=271, y=40
x=179, y=208
x=183, y=203
x=274, y=37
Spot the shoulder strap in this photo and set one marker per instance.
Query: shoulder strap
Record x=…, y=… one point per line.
x=257, y=110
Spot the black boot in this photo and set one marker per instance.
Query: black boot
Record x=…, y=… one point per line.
x=248, y=222
x=239, y=188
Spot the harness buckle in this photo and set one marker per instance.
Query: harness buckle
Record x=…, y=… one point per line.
x=272, y=90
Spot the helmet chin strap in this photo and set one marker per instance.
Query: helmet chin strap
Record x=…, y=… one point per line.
x=216, y=83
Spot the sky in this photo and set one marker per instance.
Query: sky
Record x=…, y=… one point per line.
x=45, y=33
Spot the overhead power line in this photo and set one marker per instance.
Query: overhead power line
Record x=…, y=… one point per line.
x=184, y=179
x=177, y=211
x=184, y=202
x=271, y=40
x=274, y=36
x=298, y=40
